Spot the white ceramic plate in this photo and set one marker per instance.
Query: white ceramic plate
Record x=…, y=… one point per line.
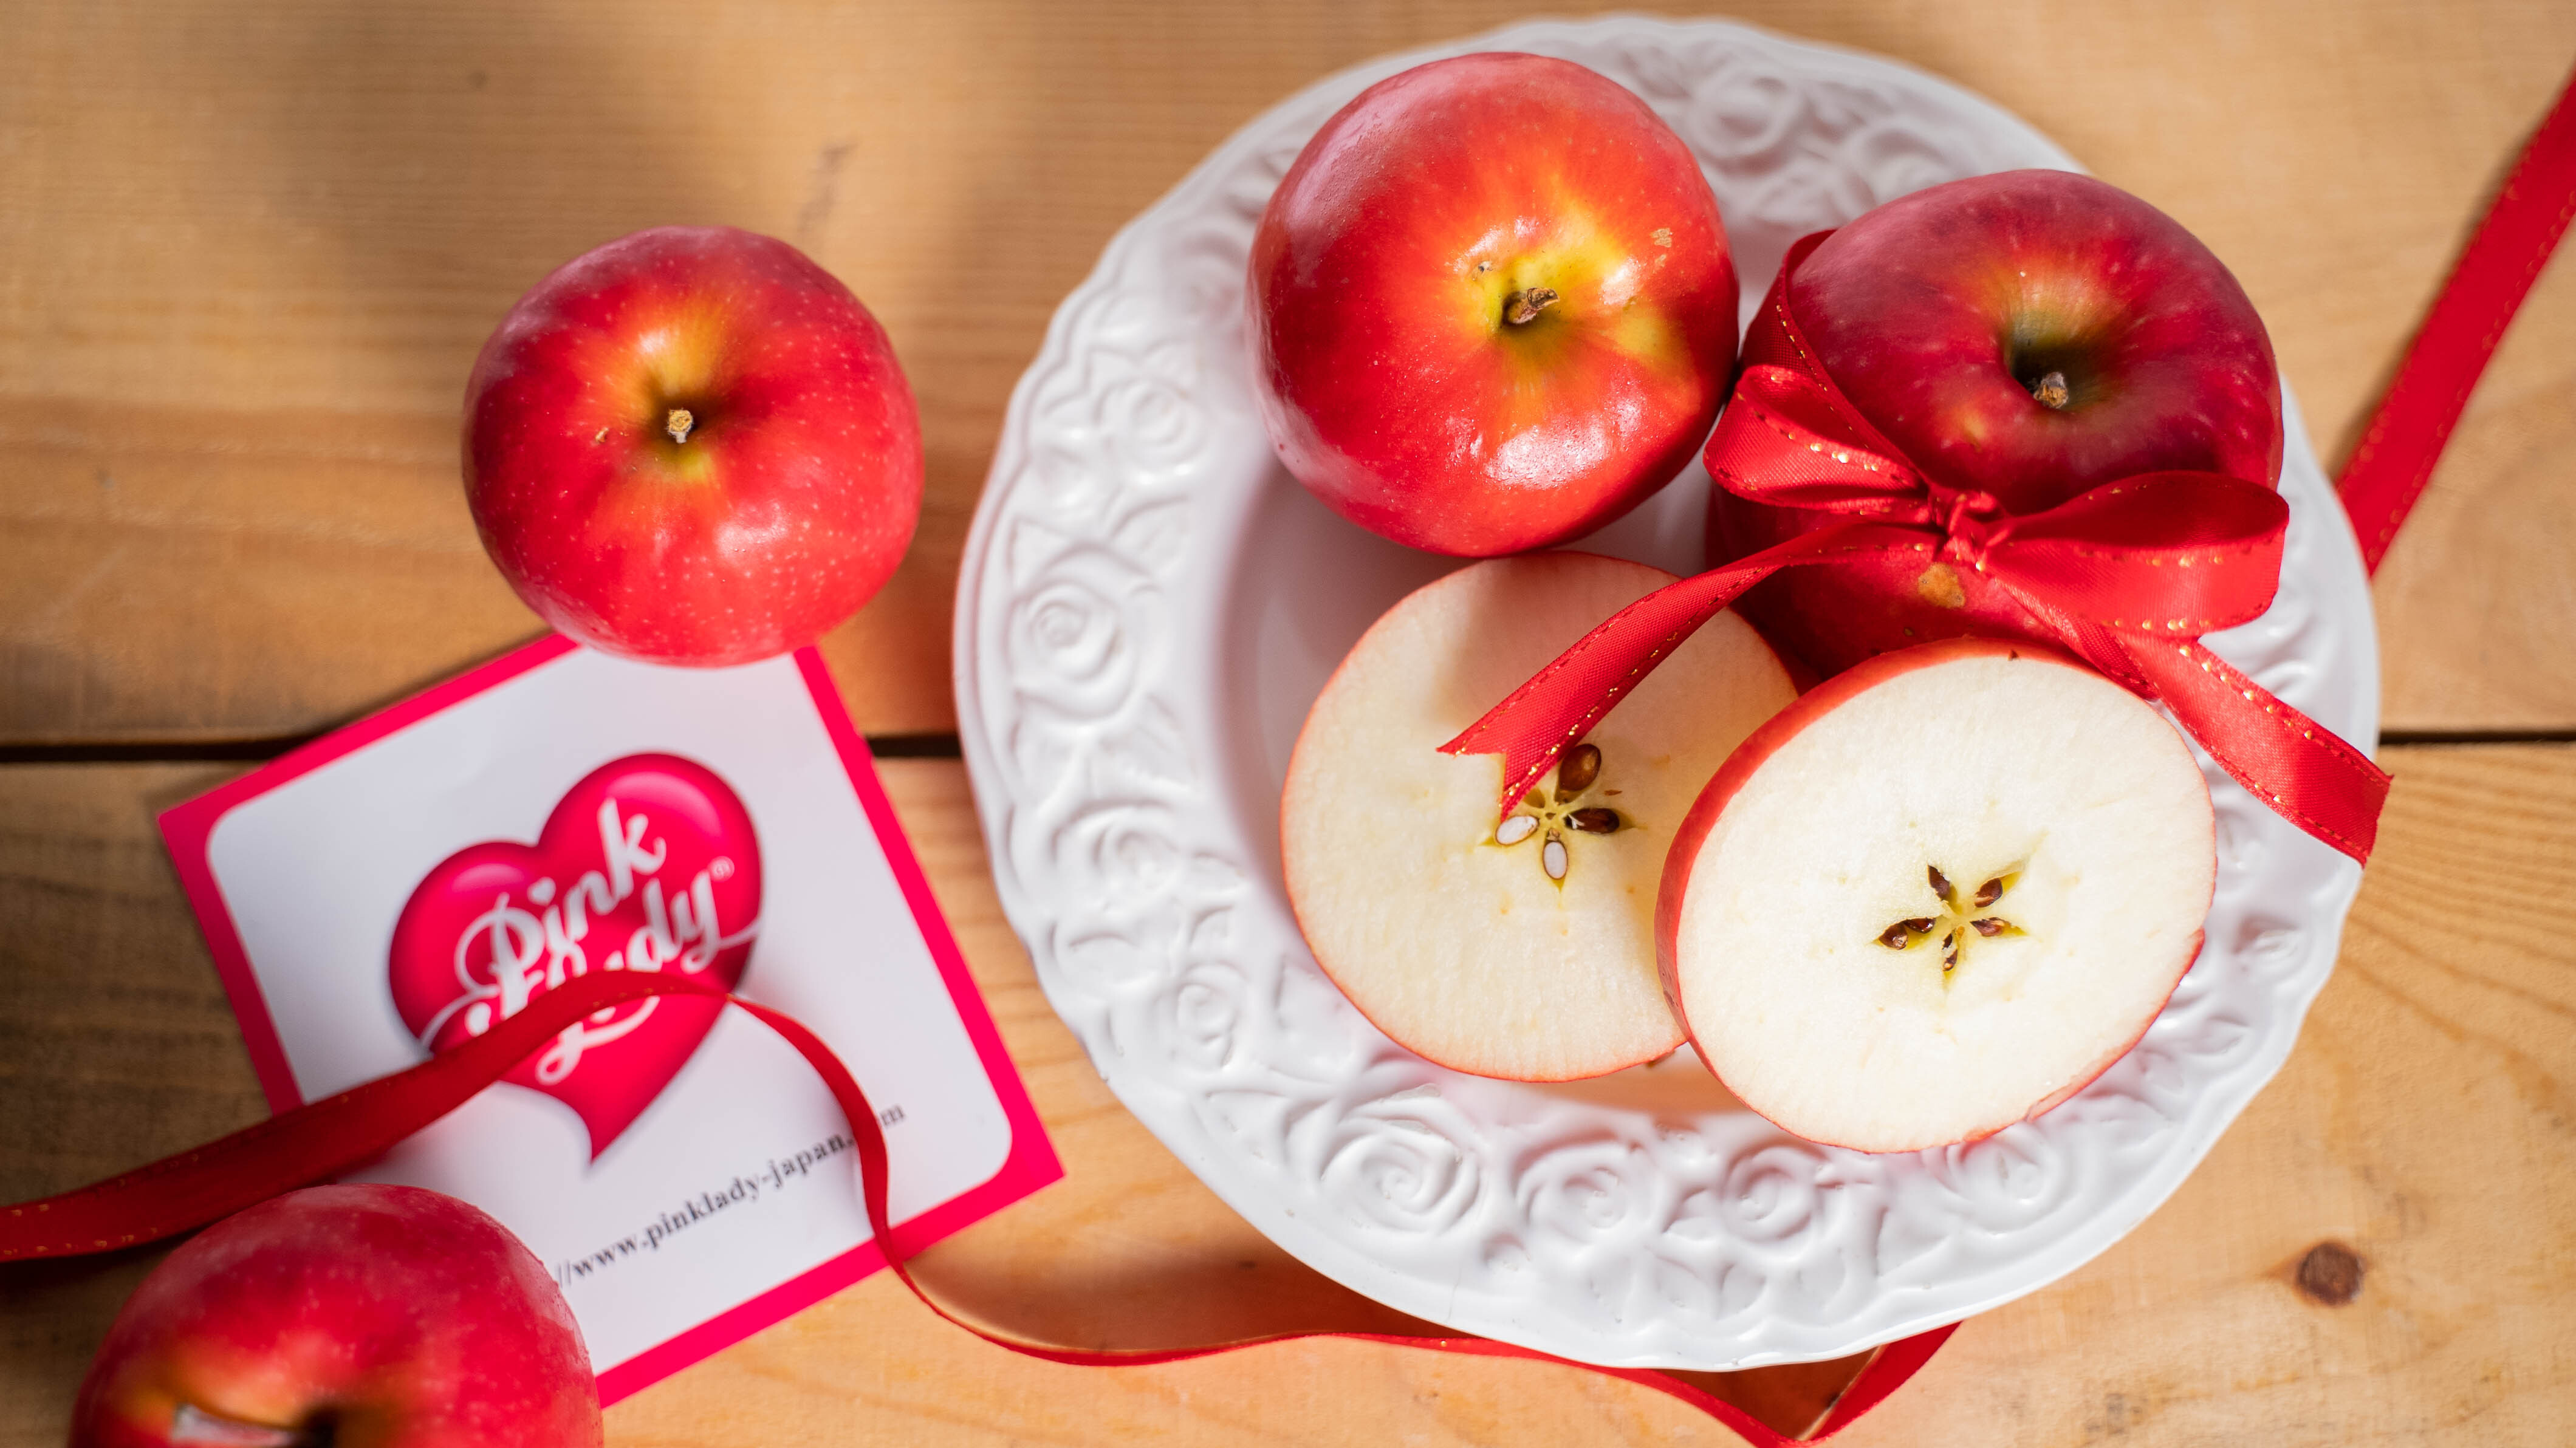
x=1148, y=606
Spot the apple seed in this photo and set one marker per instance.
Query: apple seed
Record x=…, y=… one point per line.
x=1953, y=923
x=1902, y=933
x=1582, y=766
x=1577, y=772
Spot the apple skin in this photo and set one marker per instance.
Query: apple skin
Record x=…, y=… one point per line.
x=1757, y=749
x=1392, y=384
x=788, y=504
x=1935, y=312
x=398, y=1317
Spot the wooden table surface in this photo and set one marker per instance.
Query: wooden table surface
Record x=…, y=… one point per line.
x=247, y=251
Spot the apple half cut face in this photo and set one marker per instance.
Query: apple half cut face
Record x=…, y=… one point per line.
x=1937, y=895
x=1524, y=951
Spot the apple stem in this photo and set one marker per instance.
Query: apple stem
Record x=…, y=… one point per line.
x=678, y=423
x=2050, y=391
x=1524, y=306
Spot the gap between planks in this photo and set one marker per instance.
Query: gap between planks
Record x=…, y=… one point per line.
x=883, y=746
x=261, y=750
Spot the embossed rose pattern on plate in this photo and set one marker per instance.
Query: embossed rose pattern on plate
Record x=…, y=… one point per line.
x=1149, y=604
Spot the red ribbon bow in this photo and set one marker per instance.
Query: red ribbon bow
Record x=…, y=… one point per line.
x=2126, y=577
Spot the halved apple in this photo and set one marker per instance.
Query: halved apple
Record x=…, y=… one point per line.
x=1525, y=952
x=1936, y=895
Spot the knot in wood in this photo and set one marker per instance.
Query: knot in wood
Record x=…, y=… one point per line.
x=2330, y=1274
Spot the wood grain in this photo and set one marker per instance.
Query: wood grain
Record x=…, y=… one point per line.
x=247, y=251
x=116, y=1047
x=2424, y=1121
x=2477, y=599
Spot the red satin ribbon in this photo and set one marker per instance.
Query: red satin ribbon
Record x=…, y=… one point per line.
x=2127, y=577
x=2394, y=459
x=326, y=1138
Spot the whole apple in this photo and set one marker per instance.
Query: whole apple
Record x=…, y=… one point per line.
x=380, y=1315
x=2030, y=334
x=692, y=446
x=1492, y=306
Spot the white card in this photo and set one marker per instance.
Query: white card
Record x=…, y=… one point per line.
x=398, y=886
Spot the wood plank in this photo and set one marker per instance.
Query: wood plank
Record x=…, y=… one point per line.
x=116, y=1047
x=2476, y=595
x=2423, y=1121
x=247, y=251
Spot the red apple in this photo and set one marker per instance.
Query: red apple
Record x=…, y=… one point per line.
x=386, y=1316
x=692, y=446
x=2033, y=334
x=1492, y=306
x=1937, y=895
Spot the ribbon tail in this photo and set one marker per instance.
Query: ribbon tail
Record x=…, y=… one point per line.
x=1559, y=704
x=2388, y=470
x=2289, y=761
x=310, y=1143
x=314, y=1142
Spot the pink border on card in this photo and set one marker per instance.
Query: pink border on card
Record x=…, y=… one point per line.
x=185, y=829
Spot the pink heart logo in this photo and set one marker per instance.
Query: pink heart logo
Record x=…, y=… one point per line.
x=649, y=863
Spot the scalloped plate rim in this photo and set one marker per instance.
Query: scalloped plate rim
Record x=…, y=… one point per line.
x=1334, y=1254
